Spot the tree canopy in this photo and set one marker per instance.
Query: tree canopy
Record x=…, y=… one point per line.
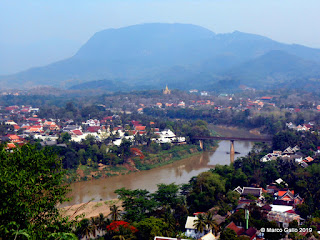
x=31, y=188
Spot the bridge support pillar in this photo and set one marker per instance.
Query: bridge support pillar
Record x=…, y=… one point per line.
x=201, y=144
x=232, y=151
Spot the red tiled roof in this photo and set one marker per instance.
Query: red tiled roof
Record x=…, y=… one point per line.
x=77, y=132
x=13, y=137
x=281, y=193
x=233, y=227
x=11, y=145
x=33, y=119
x=309, y=159
x=266, y=98
x=140, y=128
x=291, y=211
x=93, y=129
x=136, y=123
x=251, y=232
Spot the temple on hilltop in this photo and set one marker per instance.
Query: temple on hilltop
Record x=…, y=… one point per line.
x=167, y=91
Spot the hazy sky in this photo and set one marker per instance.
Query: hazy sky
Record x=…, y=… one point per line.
x=37, y=32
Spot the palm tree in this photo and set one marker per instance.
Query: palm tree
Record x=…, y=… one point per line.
x=85, y=229
x=200, y=223
x=211, y=223
x=115, y=212
x=94, y=226
x=101, y=223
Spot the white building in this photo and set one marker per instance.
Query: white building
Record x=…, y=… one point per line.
x=167, y=136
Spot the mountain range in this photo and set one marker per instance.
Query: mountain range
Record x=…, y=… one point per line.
x=183, y=56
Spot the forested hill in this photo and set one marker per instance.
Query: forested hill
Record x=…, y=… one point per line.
x=150, y=55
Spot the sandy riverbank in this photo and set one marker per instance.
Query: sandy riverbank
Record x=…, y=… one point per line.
x=89, y=209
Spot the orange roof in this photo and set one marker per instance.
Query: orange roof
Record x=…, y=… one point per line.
x=151, y=123
x=35, y=129
x=11, y=145
x=16, y=127
x=281, y=193
x=266, y=98
x=140, y=128
x=309, y=159
x=13, y=137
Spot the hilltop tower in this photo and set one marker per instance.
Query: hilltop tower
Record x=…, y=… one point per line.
x=167, y=91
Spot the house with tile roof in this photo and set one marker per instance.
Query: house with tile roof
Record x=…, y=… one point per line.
x=251, y=232
x=257, y=192
x=308, y=159
x=234, y=227
x=287, y=197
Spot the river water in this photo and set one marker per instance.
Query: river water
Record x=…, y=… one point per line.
x=178, y=172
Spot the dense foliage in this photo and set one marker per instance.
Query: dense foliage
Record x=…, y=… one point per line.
x=31, y=188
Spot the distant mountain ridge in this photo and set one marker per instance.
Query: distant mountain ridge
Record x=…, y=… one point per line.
x=184, y=55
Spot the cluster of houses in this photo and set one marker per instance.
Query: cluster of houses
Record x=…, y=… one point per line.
x=282, y=211
x=259, y=103
x=28, y=124
x=303, y=127
x=291, y=154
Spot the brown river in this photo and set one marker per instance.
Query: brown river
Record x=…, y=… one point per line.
x=178, y=172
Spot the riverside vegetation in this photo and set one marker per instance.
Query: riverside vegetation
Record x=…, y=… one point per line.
x=94, y=159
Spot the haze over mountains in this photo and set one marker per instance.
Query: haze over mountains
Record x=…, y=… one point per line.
x=183, y=56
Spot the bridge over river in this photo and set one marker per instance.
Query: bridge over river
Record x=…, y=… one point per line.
x=232, y=139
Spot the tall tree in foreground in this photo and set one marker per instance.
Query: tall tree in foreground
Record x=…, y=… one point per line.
x=200, y=223
x=31, y=188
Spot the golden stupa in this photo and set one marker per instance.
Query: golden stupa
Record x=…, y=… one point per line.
x=167, y=91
